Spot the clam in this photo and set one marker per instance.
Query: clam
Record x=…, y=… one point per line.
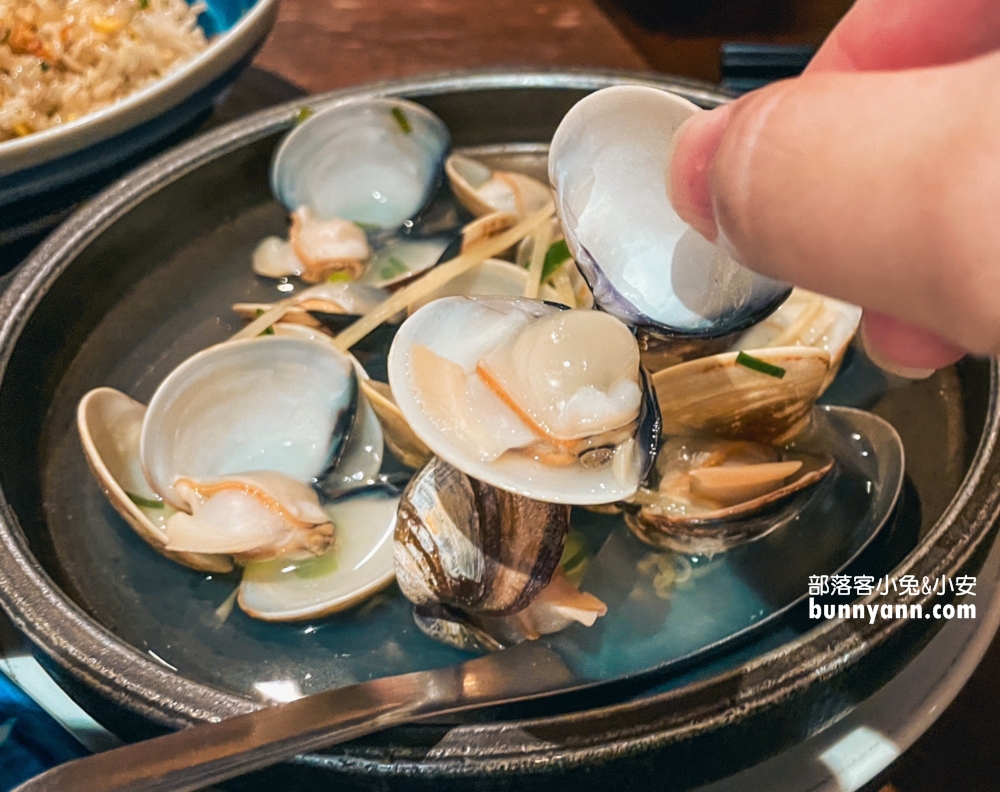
x=258, y=451
x=731, y=507
x=316, y=248
x=707, y=495
x=359, y=564
x=483, y=190
x=807, y=319
x=525, y=396
x=234, y=437
x=766, y=395
x=404, y=258
x=608, y=163
x=375, y=162
x=110, y=424
x=483, y=560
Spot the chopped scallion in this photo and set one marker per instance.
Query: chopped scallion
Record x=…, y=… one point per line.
x=402, y=120
x=743, y=359
x=392, y=268
x=340, y=276
x=145, y=503
x=143, y=4
x=267, y=330
x=557, y=255
x=303, y=114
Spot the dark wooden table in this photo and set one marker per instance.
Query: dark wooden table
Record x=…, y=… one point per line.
x=325, y=44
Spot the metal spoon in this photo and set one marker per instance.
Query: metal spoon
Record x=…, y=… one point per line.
x=205, y=754
x=194, y=758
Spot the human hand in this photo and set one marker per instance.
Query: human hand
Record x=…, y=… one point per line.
x=874, y=177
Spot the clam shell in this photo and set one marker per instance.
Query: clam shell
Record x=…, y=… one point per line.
x=110, y=423
x=837, y=432
x=271, y=403
x=716, y=396
x=608, y=164
x=360, y=564
x=462, y=543
x=445, y=322
x=376, y=162
x=700, y=531
x=483, y=191
x=807, y=319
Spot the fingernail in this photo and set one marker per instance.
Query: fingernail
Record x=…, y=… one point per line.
x=884, y=362
x=693, y=149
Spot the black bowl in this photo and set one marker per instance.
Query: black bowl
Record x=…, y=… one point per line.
x=73, y=314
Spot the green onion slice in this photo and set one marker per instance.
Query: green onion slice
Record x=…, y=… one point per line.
x=557, y=255
x=402, y=120
x=145, y=503
x=743, y=359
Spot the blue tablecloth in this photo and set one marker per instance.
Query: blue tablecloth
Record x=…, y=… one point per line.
x=31, y=741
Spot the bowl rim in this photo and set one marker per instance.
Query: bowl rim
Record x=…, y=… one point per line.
x=90, y=654
x=222, y=52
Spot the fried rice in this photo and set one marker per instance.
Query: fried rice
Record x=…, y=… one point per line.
x=63, y=59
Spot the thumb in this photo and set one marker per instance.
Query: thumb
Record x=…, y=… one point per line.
x=878, y=188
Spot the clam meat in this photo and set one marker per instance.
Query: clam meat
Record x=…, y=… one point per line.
x=483, y=190
x=525, y=396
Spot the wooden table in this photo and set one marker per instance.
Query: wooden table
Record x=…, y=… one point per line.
x=326, y=44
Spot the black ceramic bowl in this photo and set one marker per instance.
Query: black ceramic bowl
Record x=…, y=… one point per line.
x=122, y=272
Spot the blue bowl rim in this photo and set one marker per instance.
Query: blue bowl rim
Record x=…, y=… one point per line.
x=223, y=51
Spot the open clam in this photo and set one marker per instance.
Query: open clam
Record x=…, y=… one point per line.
x=707, y=496
x=807, y=319
x=547, y=403
x=608, y=163
x=765, y=396
x=480, y=563
x=110, y=424
x=261, y=452
x=375, y=162
x=359, y=564
x=482, y=190
x=743, y=446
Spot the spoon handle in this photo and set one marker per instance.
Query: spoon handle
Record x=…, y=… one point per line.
x=194, y=758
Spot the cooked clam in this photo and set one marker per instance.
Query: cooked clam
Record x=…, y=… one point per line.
x=765, y=396
x=807, y=319
x=375, y=162
x=110, y=424
x=316, y=248
x=277, y=404
x=485, y=556
x=357, y=566
x=483, y=190
x=704, y=490
x=608, y=163
x=548, y=403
